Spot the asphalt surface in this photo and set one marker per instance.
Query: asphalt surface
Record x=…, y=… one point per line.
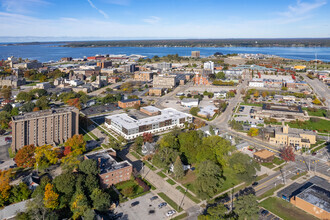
x=319, y=88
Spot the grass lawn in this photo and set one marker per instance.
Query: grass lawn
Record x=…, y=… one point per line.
x=318, y=142
x=161, y=174
x=93, y=136
x=321, y=125
x=230, y=181
x=170, y=181
x=268, y=165
x=278, y=161
x=285, y=210
x=317, y=113
x=170, y=202
x=270, y=192
x=298, y=175
x=319, y=148
x=137, y=190
x=190, y=196
x=182, y=216
x=135, y=155
x=151, y=167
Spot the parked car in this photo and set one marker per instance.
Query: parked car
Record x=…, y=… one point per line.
x=170, y=213
x=161, y=205
x=255, y=184
x=151, y=212
x=264, y=212
x=135, y=203
x=153, y=198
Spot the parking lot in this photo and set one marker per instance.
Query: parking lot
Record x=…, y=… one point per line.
x=266, y=215
x=145, y=210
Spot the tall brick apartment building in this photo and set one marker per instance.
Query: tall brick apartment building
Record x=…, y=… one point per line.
x=53, y=126
x=111, y=171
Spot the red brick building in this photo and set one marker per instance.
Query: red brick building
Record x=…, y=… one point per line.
x=111, y=171
x=129, y=103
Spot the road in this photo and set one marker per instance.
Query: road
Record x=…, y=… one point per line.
x=319, y=88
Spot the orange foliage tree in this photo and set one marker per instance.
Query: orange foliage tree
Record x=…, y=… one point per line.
x=4, y=187
x=74, y=102
x=51, y=197
x=25, y=156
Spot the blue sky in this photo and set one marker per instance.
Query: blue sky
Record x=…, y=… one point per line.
x=148, y=19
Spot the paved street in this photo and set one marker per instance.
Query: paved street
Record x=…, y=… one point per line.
x=319, y=88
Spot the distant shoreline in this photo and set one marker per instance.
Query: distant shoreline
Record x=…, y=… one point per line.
x=212, y=43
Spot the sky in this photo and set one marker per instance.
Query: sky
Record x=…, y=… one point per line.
x=159, y=19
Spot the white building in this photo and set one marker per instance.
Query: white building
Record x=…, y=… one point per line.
x=258, y=84
x=189, y=103
x=220, y=95
x=74, y=82
x=209, y=65
x=131, y=128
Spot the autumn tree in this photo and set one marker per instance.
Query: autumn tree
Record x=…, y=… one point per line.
x=253, y=132
x=74, y=102
x=316, y=101
x=45, y=155
x=25, y=156
x=287, y=154
x=264, y=94
x=79, y=205
x=4, y=187
x=147, y=137
x=6, y=92
x=35, y=109
x=67, y=150
x=256, y=94
x=51, y=197
x=178, y=168
x=77, y=142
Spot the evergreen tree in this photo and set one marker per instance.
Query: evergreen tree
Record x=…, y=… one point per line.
x=178, y=168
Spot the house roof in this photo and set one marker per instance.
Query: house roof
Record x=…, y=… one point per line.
x=264, y=154
x=129, y=100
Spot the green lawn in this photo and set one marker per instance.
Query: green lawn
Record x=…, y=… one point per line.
x=170, y=181
x=170, y=202
x=182, y=216
x=317, y=113
x=268, y=165
x=135, y=155
x=319, y=148
x=285, y=210
x=270, y=192
x=161, y=174
x=321, y=125
x=137, y=190
x=298, y=175
x=151, y=167
x=189, y=195
x=230, y=181
x=278, y=161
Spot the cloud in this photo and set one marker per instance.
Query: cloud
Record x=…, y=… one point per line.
x=302, y=8
x=99, y=10
x=118, y=2
x=22, y=6
x=152, y=20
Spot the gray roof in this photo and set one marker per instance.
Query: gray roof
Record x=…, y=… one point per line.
x=317, y=196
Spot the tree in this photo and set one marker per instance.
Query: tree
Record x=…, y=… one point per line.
x=264, y=94
x=215, y=212
x=65, y=183
x=35, y=109
x=91, y=183
x=242, y=165
x=45, y=155
x=189, y=144
x=67, y=150
x=208, y=179
x=89, y=214
x=253, y=132
x=4, y=186
x=194, y=111
x=316, y=101
x=287, y=154
x=19, y=193
x=77, y=142
x=25, y=156
x=139, y=141
x=246, y=207
x=6, y=92
x=37, y=210
x=14, y=111
x=89, y=167
x=4, y=119
x=164, y=157
x=256, y=94
x=220, y=75
x=79, y=205
x=28, y=107
x=147, y=137
x=169, y=140
x=51, y=197
x=101, y=200
x=8, y=107
x=178, y=168
x=43, y=103
x=24, y=96
x=74, y=102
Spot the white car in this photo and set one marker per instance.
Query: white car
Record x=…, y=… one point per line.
x=170, y=213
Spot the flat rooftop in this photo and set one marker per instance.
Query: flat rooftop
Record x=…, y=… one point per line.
x=129, y=123
x=264, y=153
x=151, y=109
x=283, y=108
x=106, y=162
x=129, y=100
x=43, y=113
x=317, y=196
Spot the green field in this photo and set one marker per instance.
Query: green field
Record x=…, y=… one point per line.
x=317, y=113
x=285, y=210
x=135, y=155
x=321, y=125
x=190, y=196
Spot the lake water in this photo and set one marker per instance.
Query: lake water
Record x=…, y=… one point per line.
x=48, y=52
